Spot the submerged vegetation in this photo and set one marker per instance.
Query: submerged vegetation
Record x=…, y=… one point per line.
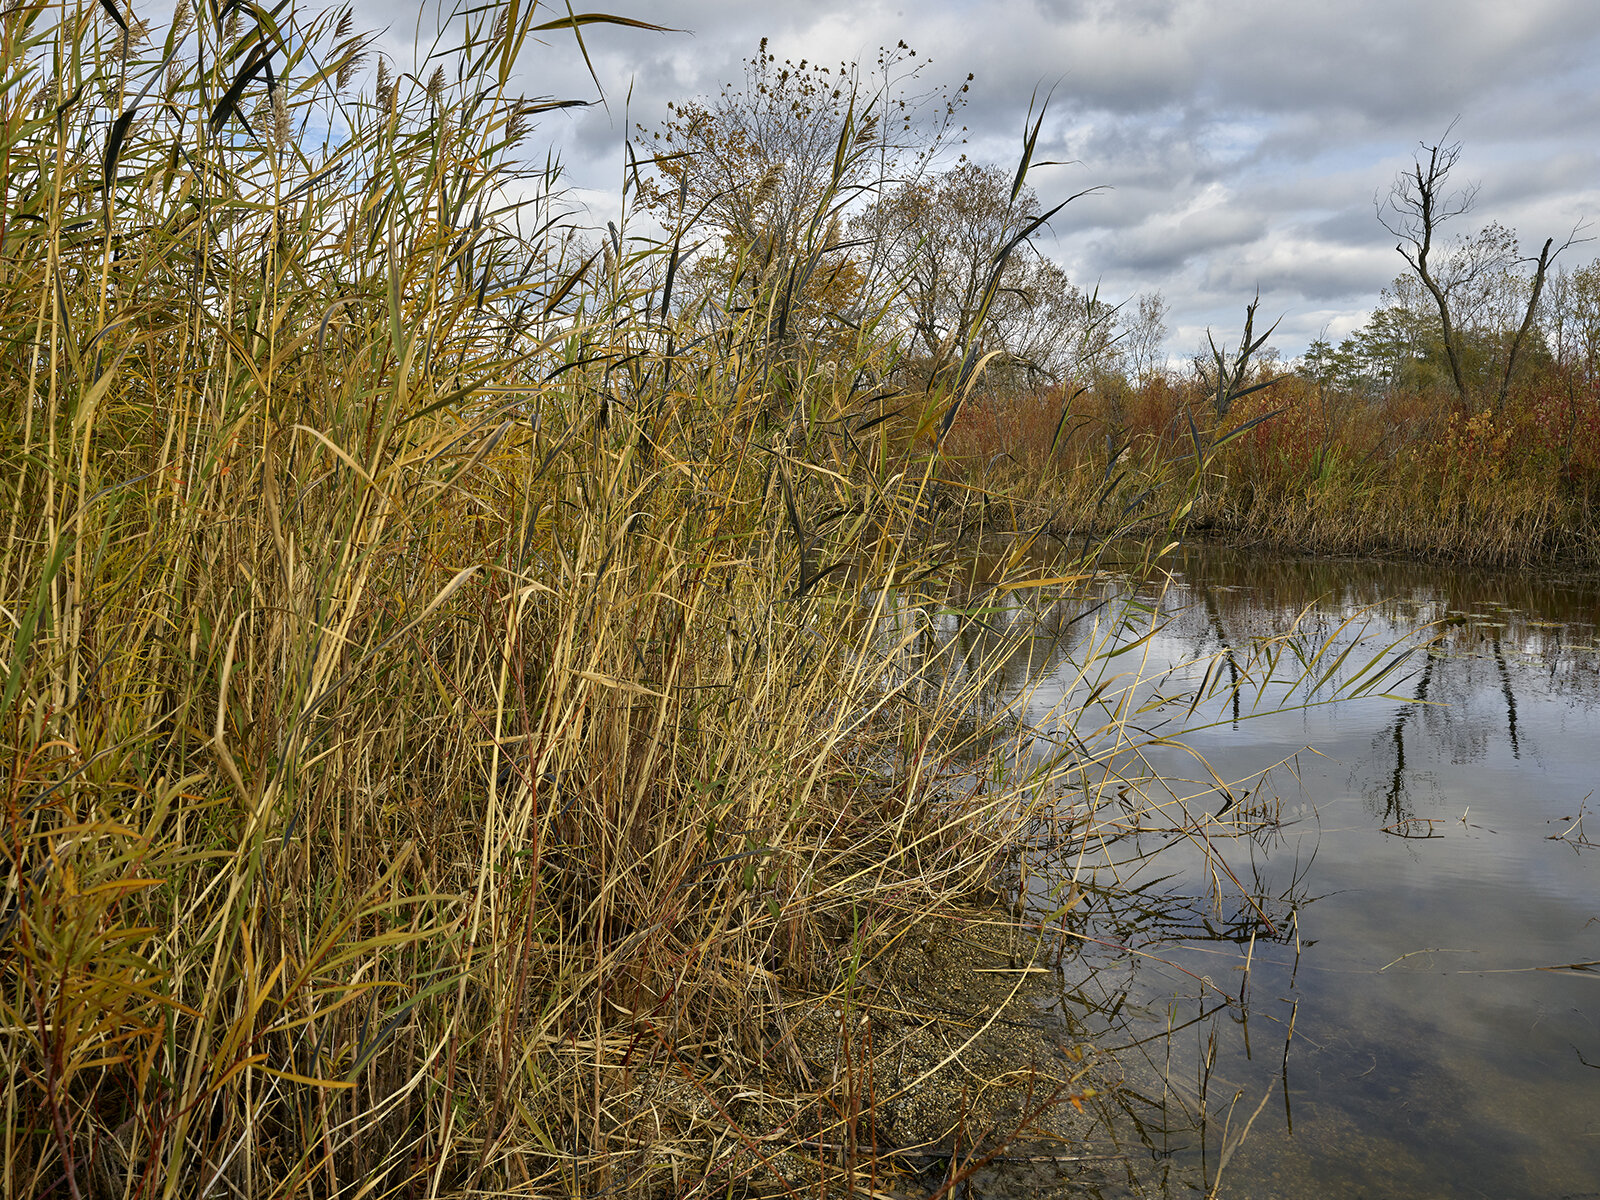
x=469, y=701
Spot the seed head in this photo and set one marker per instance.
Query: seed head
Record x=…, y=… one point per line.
x=347, y=69
x=282, y=127
x=516, y=125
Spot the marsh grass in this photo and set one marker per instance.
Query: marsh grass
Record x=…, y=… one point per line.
x=455, y=702
x=1402, y=474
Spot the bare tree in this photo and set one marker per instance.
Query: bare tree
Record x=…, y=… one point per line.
x=1572, y=308
x=938, y=236
x=1541, y=265
x=1147, y=335
x=1419, y=201
x=941, y=241
x=775, y=163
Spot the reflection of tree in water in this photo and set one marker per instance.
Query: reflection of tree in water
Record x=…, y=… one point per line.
x=1511, y=699
x=1264, y=588
x=1397, y=794
x=1468, y=695
x=1446, y=719
x=1214, y=616
x=1483, y=688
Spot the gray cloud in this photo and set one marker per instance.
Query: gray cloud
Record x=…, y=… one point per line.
x=1355, y=227
x=1293, y=270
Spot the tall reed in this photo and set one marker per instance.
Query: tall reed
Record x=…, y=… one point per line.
x=454, y=699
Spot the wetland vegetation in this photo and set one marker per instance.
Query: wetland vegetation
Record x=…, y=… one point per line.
x=491, y=708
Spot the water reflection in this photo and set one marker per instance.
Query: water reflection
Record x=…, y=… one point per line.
x=1377, y=956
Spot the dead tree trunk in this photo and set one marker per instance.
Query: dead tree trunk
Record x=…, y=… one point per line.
x=1542, y=266
x=1418, y=203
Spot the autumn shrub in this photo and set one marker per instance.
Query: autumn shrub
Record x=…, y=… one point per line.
x=1304, y=466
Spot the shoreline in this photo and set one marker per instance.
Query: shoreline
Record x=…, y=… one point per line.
x=1563, y=559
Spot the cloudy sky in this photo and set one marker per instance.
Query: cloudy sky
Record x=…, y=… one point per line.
x=1240, y=142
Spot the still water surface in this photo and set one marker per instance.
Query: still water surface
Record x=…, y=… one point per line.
x=1421, y=1011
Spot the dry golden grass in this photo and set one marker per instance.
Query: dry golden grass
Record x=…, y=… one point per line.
x=450, y=710
x=1295, y=468
x=455, y=702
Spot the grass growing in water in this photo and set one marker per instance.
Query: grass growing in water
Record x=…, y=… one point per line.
x=439, y=739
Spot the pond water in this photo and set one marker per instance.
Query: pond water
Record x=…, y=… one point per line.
x=1387, y=967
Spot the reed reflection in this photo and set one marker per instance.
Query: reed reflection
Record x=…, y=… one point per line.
x=1183, y=920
